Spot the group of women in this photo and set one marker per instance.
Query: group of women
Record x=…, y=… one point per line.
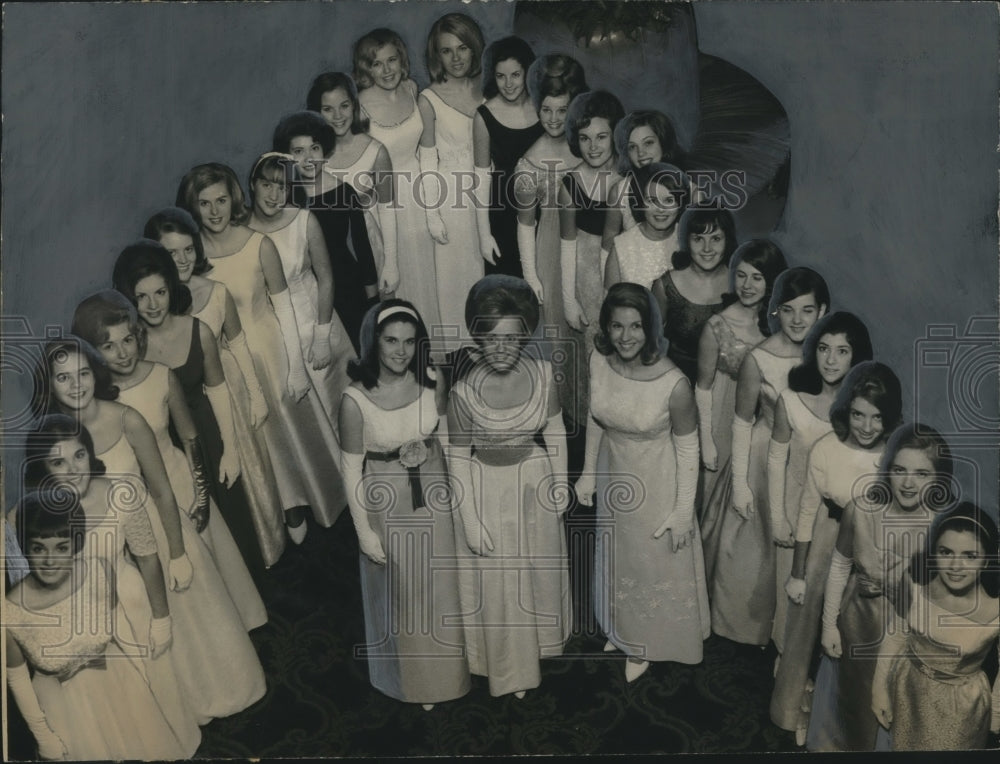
x=364, y=328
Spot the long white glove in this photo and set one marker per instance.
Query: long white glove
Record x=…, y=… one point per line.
x=893, y=644
x=390, y=261
x=229, y=464
x=680, y=522
x=351, y=466
x=160, y=636
x=777, y=461
x=526, y=247
x=709, y=454
x=320, y=352
x=571, y=307
x=431, y=192
x=463, y=492
x=258, y=403
x=297, y=384
x=554, y=435
x=743, y=499
x=587, y=484
x=488, y=248
x=836, y=582
x=50, y=745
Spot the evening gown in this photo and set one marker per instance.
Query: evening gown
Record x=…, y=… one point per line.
x=292, y=243
x=516, y=600
x=414, y=637
x=360, y=175
x=232, y=502
x=303, y=448
x=507, y=146
x=458, y=263
x=683, y=321
x=415, y=247
x=213, y=658
x=939, y=693
x=651, y=602
x=743, y=586
x=256, y=472
x=94, y=698
x=339, y=212
x=642, y=260
x=590, y=215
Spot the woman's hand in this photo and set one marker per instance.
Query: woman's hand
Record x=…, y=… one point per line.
x=678, y=539
x=50, y=745
x=709, y=455
x=297, y=384
x=882, y=704
x=390, y=279
x=489, y=250
x=743, y=500
x=229, y=467
x=574, y=314
x=784, y=536
x=831, y=641
x=436, y=227
x=160, y=636
x=371, y=547
x=258, y=406
x=585, y=488
x=181, y=572
x=480, y=543
x=320, y=353
x=795, y=588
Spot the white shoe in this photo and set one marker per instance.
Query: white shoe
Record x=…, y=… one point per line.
x=635, y=669
x=519, y=694
x=609, y=647
x=428, y=706
x=297, y=533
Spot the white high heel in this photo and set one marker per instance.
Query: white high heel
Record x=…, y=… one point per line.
x=635, y=669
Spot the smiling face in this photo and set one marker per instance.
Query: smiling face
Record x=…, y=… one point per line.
x=72, y=381
x=387, y=68
x=307, y=154
x=501, y=345
x=215, y=207
x=552, y=114
x=910, y=474
x=750, y=285
x=455, y=55
x=625, y=333
x=397, y=345
x=661, y=209
x=509, y=77
x=181, y=249
x=833, y=357
x=798, y=315
x=337, y=108
x=960, y=560
x=152, y=299
x=269, y=195
x=864, y=423
x=50, y=559
x=707, y=249
x=596, y=145
x=68, y=461
x=120, y=350
x=644, y=147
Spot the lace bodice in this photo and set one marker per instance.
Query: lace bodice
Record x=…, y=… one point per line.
x=642, y=260
x=732, y=349
x=388, y=429
x=512, y=426
x=629, y=408
x=125, y=522
x=539, y=181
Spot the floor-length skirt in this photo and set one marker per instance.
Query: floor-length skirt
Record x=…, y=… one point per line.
x=590, y=295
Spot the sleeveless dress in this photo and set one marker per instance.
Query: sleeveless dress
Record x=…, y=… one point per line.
x=940, y=695
x=292, y=242
x=651, y=602
x=339, y=212
x=683, y=321
x=642, y=260
x=360, y=175
x=732, y=351
x=213, y=658
x=256, y=472
x=507, y=146
x=743, y=587
x=149, y=397
x=414, y=640
x=458, y=263
x=414, y=245
x=590, y=216
x=806, y=429
x=94, y=698
x=302, y=445
x=516, y=600
x=232, y=502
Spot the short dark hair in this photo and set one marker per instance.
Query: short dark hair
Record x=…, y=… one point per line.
x=200, y=177
x=178, y=220
x=628, y=295
x=587, y=106
x=873, y=382
x=805, y=378
x=42, y=399
x=51, y=512
x=307, y=123
x=555, y=75
x=965, y=516
x=506, y=48
x=672, y=178
x=794, y=283
x=656, y=121
x=52, y=429
x=365, y=50
x=328, y=81
x=104, y=309
x=765, y=256
x=365, y=368
x=701, y=220
x=150, y=258
x=466, y=30
x=499, y=296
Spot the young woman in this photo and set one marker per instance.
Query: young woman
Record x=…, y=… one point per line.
x=389, y=418
x=743, y=603
x=146, y=275
x=302, y=446
x=510, y=495
x=60, y=453
x=838, y=342
x=213, y=305
x=217, y=668
x=298, y=238
x=86, y=700
x=109, y=322
x=363, y=163
x=388, y=98
x=879, y=532
x=929, y=689
x=504, y=128
x=643, y=424
x=583, y=203
x=340, y=213
x=641, y=138
x=648, y=250
x=725, y=340
x=447, y=107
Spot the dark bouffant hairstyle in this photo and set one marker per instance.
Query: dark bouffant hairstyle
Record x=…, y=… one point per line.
x=965, y=516
x=502, y=50
x=43, y=401
x=656, y=121
x=52, y=429
x=628, y=295
x=555, y=75
x=177, y=220
x=701, y=221
x=587, y=106
x=328, y=81
x=793, y=283
x=53, y=512
x=765, y=256
x=667, y=176
x=365, y=368
x=149, y=258
x=303, y=123
x=876, y=383
x=805, y=378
